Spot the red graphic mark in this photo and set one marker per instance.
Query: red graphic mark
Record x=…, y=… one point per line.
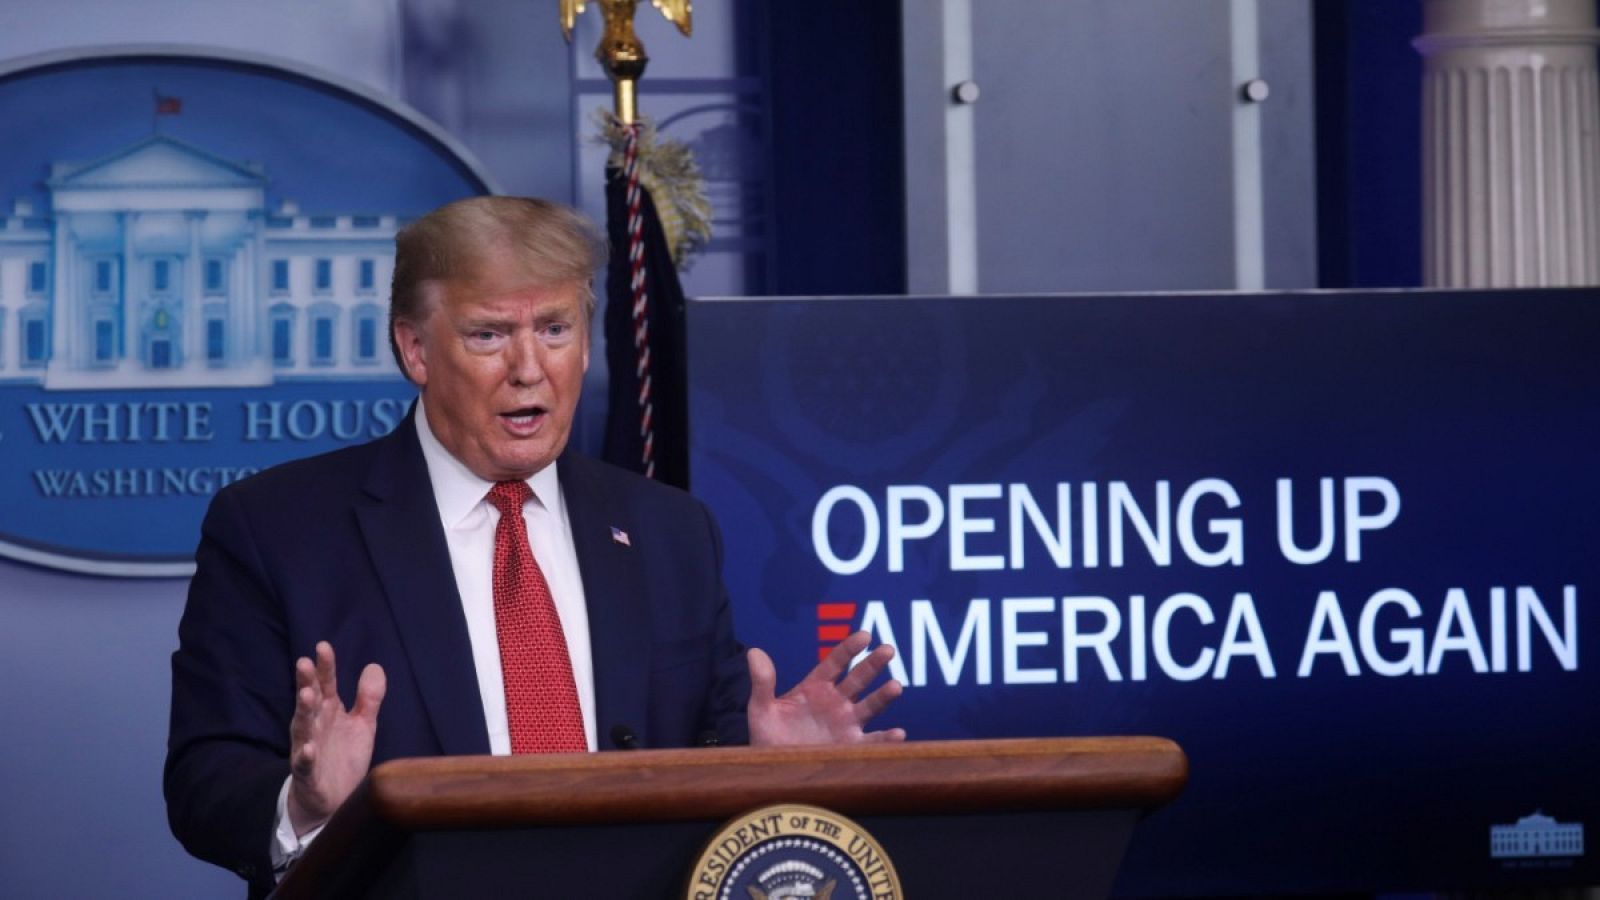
x=833, y=625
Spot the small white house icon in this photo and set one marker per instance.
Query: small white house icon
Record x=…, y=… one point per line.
x=1536, y=835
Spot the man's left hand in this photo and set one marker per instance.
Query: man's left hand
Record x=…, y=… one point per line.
x=823, y=708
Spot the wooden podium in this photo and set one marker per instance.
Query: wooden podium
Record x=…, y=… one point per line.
x=1035, y=817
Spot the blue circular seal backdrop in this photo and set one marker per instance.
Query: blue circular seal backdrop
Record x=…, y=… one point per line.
x=195, y=253
x=792, y=851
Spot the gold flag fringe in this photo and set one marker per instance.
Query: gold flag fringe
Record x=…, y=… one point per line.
x=667, y=168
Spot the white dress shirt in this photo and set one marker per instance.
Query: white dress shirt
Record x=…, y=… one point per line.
x=469, y=522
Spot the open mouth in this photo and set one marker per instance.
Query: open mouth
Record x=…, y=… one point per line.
x=525, y=417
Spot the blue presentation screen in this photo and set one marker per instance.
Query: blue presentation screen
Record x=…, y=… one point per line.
x=1342, y=547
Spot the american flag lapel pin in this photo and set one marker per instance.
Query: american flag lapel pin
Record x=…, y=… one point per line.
x=618, y=536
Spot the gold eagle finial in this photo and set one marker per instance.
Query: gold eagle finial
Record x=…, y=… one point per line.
x=620, y=50
x=678, y=12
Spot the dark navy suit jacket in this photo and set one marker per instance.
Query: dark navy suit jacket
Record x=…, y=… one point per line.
x=348, y=547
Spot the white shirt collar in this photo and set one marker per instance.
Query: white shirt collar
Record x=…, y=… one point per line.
x=458, y=492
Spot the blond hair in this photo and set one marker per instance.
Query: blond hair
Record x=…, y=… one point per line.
x=555, y=244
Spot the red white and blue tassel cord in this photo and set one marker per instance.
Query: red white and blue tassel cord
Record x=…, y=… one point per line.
x=641, y=302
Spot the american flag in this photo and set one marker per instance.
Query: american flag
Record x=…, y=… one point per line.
x=620, y=537
x=647, y=429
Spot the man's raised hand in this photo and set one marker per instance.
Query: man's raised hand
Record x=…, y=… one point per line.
x=330, y=748
x=823, y=708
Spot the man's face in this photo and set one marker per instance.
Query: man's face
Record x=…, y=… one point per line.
x=500, y=360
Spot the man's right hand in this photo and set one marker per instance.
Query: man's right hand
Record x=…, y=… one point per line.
x=330, y=748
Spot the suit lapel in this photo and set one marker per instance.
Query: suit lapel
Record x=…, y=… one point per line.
x=614, y=591
x=406, y=542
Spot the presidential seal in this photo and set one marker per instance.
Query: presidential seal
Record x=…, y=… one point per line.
x=793, y=851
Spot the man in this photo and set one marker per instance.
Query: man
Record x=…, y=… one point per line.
x=501, y=594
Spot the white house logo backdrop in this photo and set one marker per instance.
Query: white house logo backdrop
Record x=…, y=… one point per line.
x=194, y=265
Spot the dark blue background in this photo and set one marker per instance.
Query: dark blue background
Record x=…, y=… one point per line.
x=163, y=527
x=331, y=151
x=1479, y=406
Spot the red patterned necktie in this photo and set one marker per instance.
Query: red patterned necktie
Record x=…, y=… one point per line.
x=541, y=699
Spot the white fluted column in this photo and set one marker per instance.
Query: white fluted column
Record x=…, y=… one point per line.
x=1510, y=108
x=66, y=307
x=194, y=326
x=127, y=350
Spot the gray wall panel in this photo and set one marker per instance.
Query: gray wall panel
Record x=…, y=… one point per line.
x=1104, y=147
x=1288, y=144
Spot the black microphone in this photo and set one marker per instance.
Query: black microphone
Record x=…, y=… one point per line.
x=708, y=738
x=624, y=738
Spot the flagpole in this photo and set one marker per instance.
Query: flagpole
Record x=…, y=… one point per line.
x=620, y=51
x=622, y=54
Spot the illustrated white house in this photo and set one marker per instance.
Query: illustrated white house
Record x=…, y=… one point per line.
x=1536, y=835
x=160, y=265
